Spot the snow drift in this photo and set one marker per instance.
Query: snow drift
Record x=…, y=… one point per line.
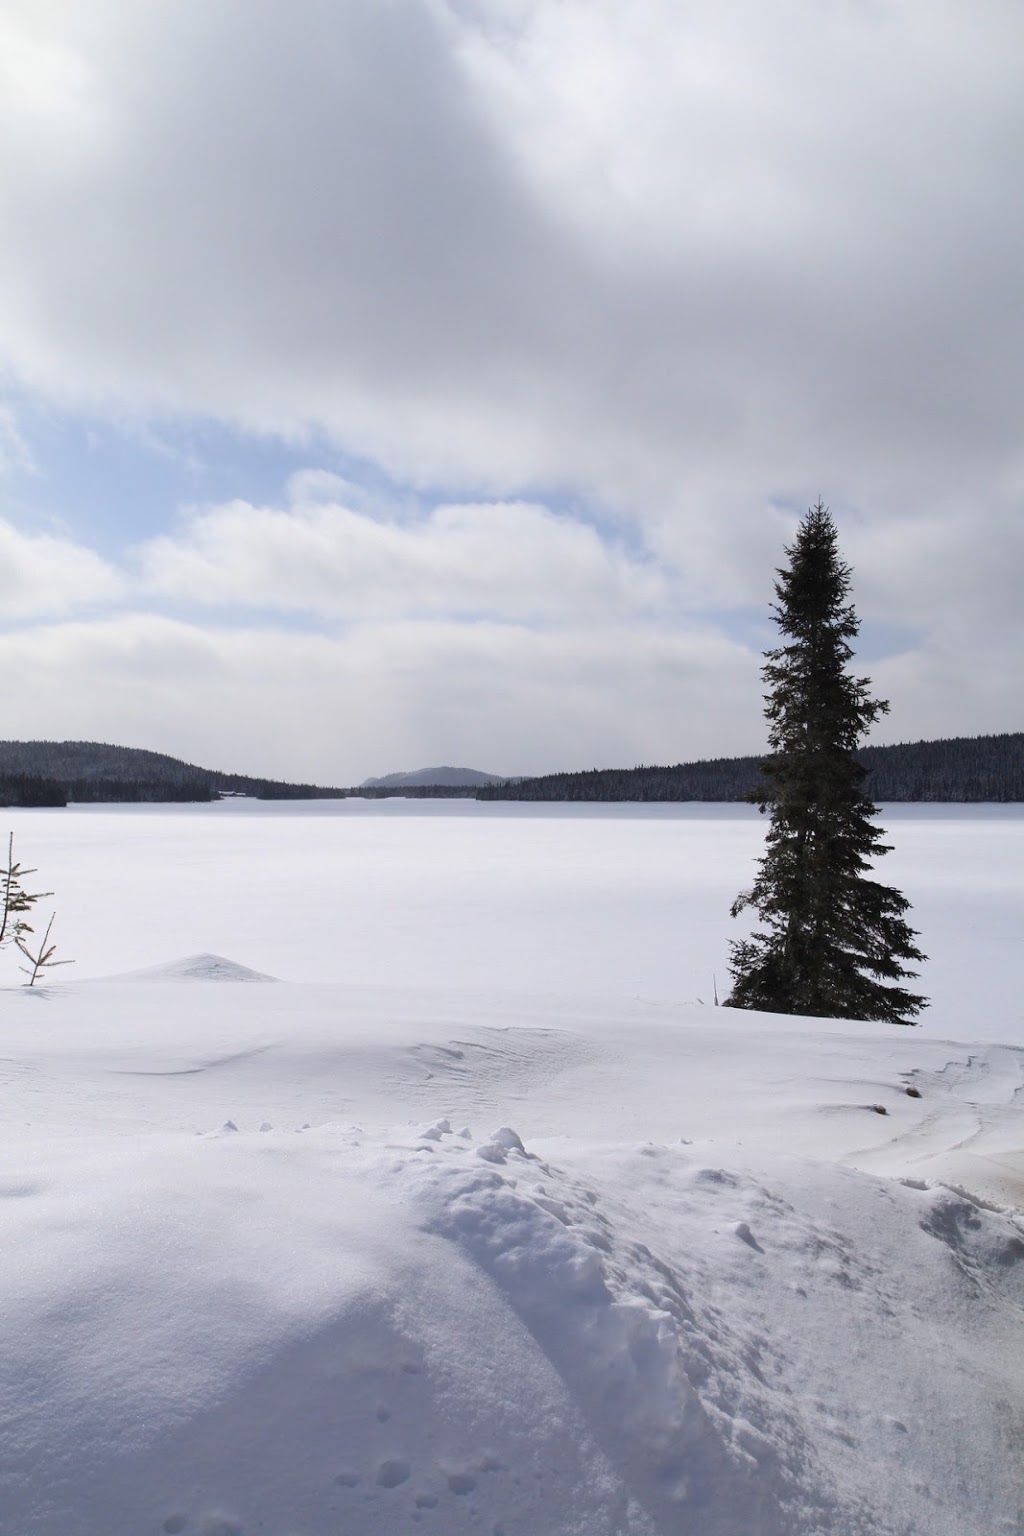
x=413, y=1253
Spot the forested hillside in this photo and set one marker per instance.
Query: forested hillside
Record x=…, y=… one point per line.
x=54, y=772
x=36, y=773
x=968, y=768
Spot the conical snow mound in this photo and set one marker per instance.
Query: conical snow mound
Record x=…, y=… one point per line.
x=204, y=967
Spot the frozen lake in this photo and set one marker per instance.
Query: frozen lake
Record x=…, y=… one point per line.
x=617, y=901
x=478, y=1222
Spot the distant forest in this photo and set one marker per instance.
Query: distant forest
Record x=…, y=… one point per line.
x=968, y=768
x=44, y=773
x=54, y=772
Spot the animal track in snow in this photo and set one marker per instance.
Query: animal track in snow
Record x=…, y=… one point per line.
x=461, y=1482
x=393, y=1472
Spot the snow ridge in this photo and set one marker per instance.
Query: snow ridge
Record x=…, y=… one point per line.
x=614, y=1320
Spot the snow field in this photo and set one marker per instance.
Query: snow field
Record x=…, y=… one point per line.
x=321, y=1331
x=612, y=901
x=273, y=1261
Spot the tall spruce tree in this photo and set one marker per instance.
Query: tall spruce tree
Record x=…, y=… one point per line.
x=834, y=941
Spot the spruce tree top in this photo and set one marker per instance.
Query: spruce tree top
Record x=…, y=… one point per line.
x=813, y=701
x=835, y=940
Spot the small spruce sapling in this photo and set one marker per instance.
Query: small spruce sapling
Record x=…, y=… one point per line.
x=14, y=929
x=15, y=899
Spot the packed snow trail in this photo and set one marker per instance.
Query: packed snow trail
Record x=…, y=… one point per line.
x=309, y=1332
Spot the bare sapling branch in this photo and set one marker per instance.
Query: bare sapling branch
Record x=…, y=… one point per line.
x=41, y=961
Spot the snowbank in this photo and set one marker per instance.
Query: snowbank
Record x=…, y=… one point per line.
x=423, y=1250
x=277, y=1327
x=317, y=1331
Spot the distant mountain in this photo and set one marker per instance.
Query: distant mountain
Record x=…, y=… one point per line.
x=963, y=768
x=54, y=772
x=42, y=773
x=451, y=778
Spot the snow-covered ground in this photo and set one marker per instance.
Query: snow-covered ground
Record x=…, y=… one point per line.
x=481, y=1218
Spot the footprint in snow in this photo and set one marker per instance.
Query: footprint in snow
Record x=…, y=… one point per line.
x=393, y=1472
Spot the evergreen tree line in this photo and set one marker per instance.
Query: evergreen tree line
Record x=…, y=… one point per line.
x=53, y=773
x=975, y=768
x=46, y=773
x=56, y=772
x=26, y=789
x=413, y=792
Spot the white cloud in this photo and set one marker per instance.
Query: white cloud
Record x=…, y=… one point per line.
x=42, y=574
x=628, y=247
x=578, y=661
x=337, y=708
x=505, y=560
x=696, y=264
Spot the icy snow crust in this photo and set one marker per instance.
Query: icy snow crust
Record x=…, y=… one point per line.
x=419, y=1254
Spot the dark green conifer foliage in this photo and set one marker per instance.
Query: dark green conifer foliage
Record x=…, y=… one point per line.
x=834, y=941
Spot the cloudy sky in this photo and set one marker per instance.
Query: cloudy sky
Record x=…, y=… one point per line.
x=396, y=382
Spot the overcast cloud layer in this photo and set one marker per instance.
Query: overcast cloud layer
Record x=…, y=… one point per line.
x=603, y=294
